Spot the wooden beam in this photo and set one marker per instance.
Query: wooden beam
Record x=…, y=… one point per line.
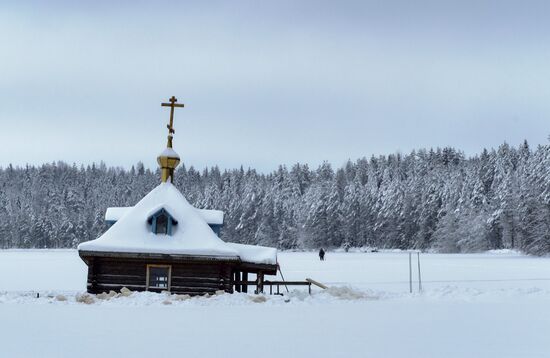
x=316, y=283
x=168, y=257
x=267, y=269
x=289, y=283
x=274, y=283
x=245, y=278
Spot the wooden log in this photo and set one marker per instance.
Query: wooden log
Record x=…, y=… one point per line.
x=316, y=283
x=196, y=279
x=120, y=281
x=116, y=287
x=213, y=286
x=193, y=289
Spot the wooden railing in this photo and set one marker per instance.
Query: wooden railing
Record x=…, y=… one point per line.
x=308, y=282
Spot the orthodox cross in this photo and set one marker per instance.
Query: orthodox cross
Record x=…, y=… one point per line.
x=172, y=105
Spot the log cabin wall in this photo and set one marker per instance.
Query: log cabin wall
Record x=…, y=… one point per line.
x=193, y=278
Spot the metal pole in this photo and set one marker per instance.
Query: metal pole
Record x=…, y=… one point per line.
x=419, y=276
x=281, y=272
x=410, y=273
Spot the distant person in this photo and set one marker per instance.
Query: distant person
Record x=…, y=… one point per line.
x=322, y=254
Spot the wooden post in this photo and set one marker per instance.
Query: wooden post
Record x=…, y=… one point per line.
x=245, y=278
x=260, y=282
x=237, y=279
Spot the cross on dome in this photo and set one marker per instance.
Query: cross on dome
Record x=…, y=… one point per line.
x=169, y=159
x=173, y=104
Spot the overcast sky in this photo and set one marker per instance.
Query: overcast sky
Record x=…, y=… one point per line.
x=272, y=82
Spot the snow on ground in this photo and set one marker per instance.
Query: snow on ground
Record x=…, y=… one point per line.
x=476, y=305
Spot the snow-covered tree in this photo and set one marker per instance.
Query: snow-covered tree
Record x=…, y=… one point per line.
x=428, y=199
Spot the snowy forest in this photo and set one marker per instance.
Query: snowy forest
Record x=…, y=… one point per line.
x=435, y=200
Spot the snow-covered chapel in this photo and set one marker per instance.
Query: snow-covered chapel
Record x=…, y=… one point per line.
x=163, y=243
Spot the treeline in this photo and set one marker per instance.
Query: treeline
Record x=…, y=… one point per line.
x=428, y=199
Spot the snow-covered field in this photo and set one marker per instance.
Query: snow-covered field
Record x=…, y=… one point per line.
x=477, y=305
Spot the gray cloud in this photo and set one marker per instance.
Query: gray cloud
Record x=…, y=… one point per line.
x=270, y=83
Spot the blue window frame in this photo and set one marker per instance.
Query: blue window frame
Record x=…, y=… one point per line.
x=162, y=223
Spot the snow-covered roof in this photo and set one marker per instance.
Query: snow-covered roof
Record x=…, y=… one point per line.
x=256, y=254
x=192, y=236
x=115, y=213
x=212, y=217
